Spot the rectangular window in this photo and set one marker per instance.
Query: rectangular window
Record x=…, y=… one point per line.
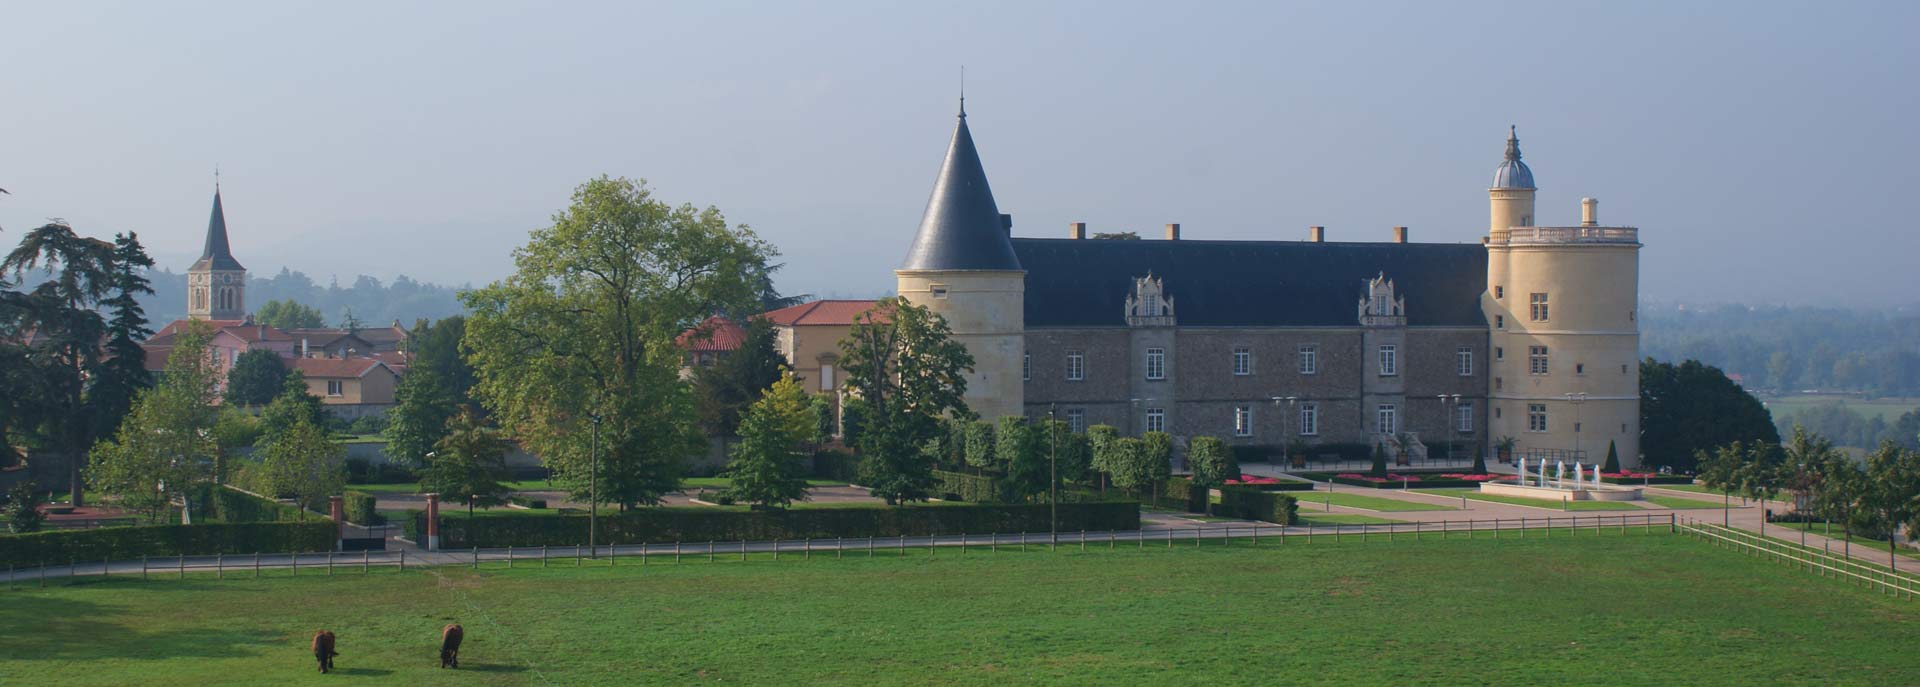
x=1536, y=417
x=1026, y=367
x=826, y=377
x=937, y=290
x=1463, y=361
x=1498, y=383
x=1580, y=369
x=1537, y=360
x=1156, y=419
x=1463, y=417
x=1389, y=360
x=335, y=387
x=1499, y=353
x=1499, y=292
x=1243, y=421
x=1309, y=419
x=1499, y=321
x=1537, y=307
x=1156, y=363
x=1076, y=366
x=1077, y=420
x=1385, y=418
x=1309, y=359
x=1242, y=361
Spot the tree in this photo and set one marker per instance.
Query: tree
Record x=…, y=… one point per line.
x=63, y=310
x=294, y=405
x=469, y=463
x=1842, y=494
x=166, y=446
x=1211, y=461
x=769, y=465
x=1159, y=446
x=289, y=314
x=348, y=321
x=437, y=387
x=723, y=390
x=978, y=449
x=122, y=373
x=1106, y=454
x=257, y=376
x=586, y=327
x=1379, y=461
x=23, y=509
x=1480, y=459
x=902, y=361
x=822, y=408
x=1612, y=465
x=1691, y=407
x=1024, y=452
x=1760, y=476
x=1130, y=469
x=303, y=461
x=1720, y=471
x=1780, y=369
x=1074, y=459
x=1891, y=499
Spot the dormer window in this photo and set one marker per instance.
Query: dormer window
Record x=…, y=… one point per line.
x=1149, y=305
x=1381, y=307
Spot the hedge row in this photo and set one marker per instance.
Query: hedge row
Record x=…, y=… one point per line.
x=1254, y=504
x=959, y=486
x=1656, y=479
x=359, y=507
x=664, y=525
x=231, y=505
x=120, y=543
x=1179, y=492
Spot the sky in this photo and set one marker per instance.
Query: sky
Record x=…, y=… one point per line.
x=1766, y=150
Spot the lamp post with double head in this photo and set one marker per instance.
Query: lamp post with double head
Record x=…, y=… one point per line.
x=1448, y=413
x=1053, y=478
x=1286, y=455
x=1577, y=398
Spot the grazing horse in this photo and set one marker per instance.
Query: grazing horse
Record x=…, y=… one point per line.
x=323, y=649
x=450, y=637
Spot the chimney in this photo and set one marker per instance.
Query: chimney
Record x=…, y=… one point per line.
x=1316, y=234
x=1006, y=222
x=1173, y=232
x=1399, y=234
x=303, y=347
x=1589, y=212
x=1077, y=230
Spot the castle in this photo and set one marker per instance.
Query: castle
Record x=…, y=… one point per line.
x=1530, y=335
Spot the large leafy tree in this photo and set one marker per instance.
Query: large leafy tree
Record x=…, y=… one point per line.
x=469, y=463
x=769, y=465
x=289, y=314
x=1693, y=407
x=438, y=385
x=1891, y=499
x=585, y=328
x=1023, y=450
x=723, y=390
x=167, y=444
x=300, y=459
x=1106, y=457
x=257, y=376
x=66, y=361
x=902, y=361
x=1212, y=463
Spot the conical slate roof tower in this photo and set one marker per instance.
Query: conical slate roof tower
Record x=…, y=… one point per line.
x=962, y=228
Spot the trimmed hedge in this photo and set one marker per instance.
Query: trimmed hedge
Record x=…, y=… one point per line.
x=959, y=486
x=837, y=465
x=1254, y=504
x=58, y=547
x=664, y=525
x=1180, y=492
x=359, y=507
x=231, y=505
x=1283, y=485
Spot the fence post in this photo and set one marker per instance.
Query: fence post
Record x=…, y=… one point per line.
x=1196, y=537
x=903, y=545
x=1111, y=534
x=543, y=556
x=576, y=555
x=806, y=549
x=476, y=557
x=143, y=572
x=256, y=565
x=403, y=559
x=993, y=543
x=363, y=561
x=776, y=549
x=1083, y=541
x=709, y=550
x=676, y=552
x=509, y=556
x=1169, y=537
x=839, y=546
x=869, y=547
x=643, y=553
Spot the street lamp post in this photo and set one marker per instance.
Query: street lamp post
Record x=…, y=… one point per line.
x=1053, y=478
x=1286, y=442
x=1577, y=398
x=1452, y=422
x=593, y=490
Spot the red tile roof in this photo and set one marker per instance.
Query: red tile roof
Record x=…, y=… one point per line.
x=819, y=313
x=715, y=334
x=334, y=368
x=241, y=329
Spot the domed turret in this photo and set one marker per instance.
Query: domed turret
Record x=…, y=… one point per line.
x=1513, y=173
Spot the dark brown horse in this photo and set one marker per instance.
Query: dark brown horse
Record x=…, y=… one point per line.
x=323, y=649
x=450, y=637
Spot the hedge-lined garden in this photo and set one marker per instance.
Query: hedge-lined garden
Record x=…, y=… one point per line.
x=670, y=524
x=243, y=524
x=1256, y=504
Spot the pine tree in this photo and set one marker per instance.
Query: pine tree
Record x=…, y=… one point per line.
x=1613, y=459
x=1379, y=461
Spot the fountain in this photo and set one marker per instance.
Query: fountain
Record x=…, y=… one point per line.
x=1584, y=488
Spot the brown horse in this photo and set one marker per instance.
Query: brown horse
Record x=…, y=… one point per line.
x=450, y=637
x=323, y=649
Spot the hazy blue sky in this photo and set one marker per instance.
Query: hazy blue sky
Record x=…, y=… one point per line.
x=1766, y=150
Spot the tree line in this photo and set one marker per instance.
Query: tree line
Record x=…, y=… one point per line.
x=1793, y=348
x=1875, y=498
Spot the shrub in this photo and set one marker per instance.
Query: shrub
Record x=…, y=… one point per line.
x=1254, y=504
x=360, y=471
x=1180, y=490
x=665, y=525
x=359, y=507
x=836, y=465
x=958, y=486
x=62, y=546
x=368, y=425
x=234, y=506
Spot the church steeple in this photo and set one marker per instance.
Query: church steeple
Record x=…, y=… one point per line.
x=216, y=283
x=962, y=228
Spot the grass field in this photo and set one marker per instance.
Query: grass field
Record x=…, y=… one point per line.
x=1341, y=498
x=1678, y=503
x=1887, y=409
x=1326, y=519
x=1650, y=609
x=541, y=485
x=1475, y=495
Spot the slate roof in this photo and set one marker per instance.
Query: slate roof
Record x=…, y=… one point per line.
x=1513, y=173
x=216, y=254
x=962, y=228
x=1085, y=283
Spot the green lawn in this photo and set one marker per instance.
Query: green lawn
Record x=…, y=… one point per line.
x=1475, y=495
x=1887, y=409
x=1680, y=503
x=1650, y=609
x=1325, y=519
x=1696, y=489
x=1340, y=498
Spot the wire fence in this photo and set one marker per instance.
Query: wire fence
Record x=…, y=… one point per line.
x=221, y=566
x=1806, y=558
